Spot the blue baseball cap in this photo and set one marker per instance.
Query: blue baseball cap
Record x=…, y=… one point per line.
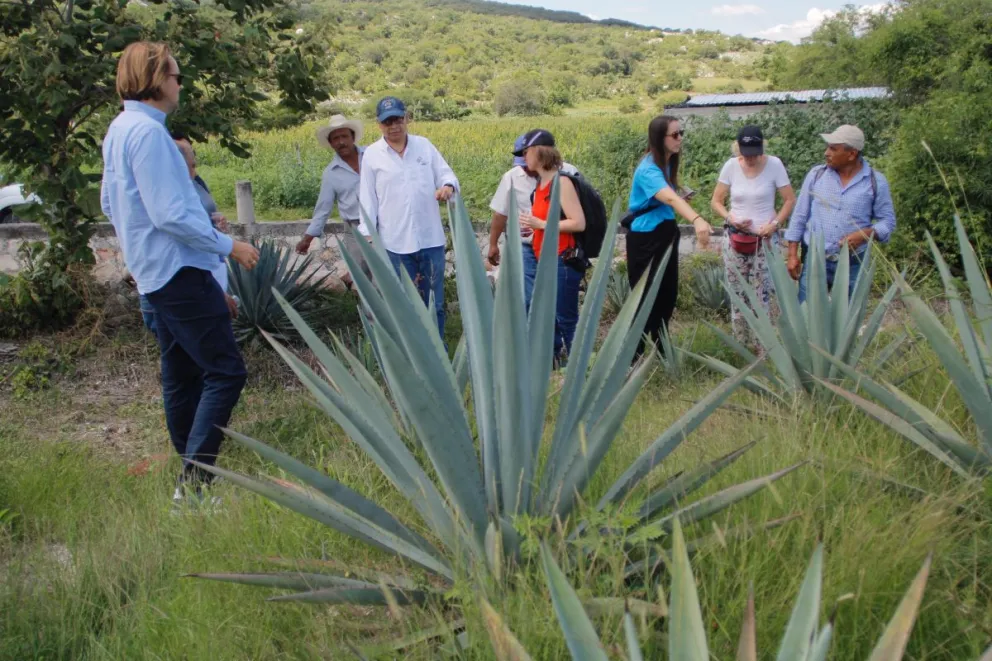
x=518, y=146
x=389, y=107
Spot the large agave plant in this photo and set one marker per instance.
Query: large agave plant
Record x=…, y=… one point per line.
x=279, y=271
x=484, y=451
x=801, y=341
x=803, y=639
x=968, y=367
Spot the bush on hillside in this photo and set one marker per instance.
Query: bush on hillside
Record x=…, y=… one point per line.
x=521, y=95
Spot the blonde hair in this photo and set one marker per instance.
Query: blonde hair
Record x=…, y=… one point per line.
x=142, y=71
x=548, y=158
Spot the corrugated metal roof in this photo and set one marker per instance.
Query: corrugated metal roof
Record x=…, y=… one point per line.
x=799, y=96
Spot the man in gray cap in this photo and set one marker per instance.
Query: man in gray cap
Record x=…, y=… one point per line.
x=844, y=201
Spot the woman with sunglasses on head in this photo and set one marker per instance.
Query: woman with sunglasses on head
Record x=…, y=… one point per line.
x=654, y=201
x=752, y=179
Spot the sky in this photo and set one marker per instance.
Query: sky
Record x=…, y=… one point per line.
x=780, y=20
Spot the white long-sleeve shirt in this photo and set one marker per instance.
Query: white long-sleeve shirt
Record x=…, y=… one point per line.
x=397, y=194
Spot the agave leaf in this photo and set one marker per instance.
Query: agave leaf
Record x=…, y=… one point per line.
x=757, y=318
x=885, y=354
x=460, y=364
x=615, y=355
x=747, y=649
x=974, y=394
x=583, y=465
x=357, y=596
x=446, y=630
x=614, y=358
x=961, y=318
x=569, y=413
x=334, y=490
x=817, y=305
x=633, y=644
x=821, y=644
x=494, y=550
x=476, y=304
x=792, y=320
x=359, y=573
x=978, y=283
x=686, y=632
x=673, y=436
x=449, y=447
x=840, y=305
x=721, y=500
x=898, y=425
x=893, y=642
x=366, y=380
x=867, y=335
x=514, y=400
x=797, y=641
x=505, y=644
x=333, y=515
x=287, y=580
x=756, y=386
x=367, y=425
x=541, y=322
x=919, y=418
x=683, y=484
x=580, y=636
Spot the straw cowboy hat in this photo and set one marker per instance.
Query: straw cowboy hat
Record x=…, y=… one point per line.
x=339, y=122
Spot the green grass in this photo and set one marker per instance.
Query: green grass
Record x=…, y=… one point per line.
x=124, y=596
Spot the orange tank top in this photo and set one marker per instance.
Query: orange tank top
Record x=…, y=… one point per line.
x=542, y=200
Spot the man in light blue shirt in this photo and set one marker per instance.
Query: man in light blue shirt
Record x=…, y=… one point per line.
x=844, y=201
x=170, y=248
x=339, y=183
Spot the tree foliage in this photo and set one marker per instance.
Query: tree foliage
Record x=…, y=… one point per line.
x=57, y=72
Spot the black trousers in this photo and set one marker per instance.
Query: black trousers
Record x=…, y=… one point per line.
x=645, y=251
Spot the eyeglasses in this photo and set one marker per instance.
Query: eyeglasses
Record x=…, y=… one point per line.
x=178, y=77
x=393, y=120
x=678, y=135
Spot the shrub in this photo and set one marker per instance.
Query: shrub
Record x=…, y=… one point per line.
x=629, y=105
x=671, y=98
x=43, y=296
x=519, y=96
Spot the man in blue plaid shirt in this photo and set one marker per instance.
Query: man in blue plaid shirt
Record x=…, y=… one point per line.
x=843, y=201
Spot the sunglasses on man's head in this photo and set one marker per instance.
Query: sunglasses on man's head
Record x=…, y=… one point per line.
x=677, y=134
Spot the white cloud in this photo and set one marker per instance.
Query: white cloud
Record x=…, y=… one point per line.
x=796, y=30
x=736, y=10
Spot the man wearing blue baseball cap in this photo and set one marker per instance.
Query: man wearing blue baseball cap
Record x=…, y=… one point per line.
x=403, y=178
x=522, y=183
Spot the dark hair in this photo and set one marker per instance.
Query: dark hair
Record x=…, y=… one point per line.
x=657, y=130
x=180, y=135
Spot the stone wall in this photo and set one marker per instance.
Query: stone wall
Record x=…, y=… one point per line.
x=110, y=264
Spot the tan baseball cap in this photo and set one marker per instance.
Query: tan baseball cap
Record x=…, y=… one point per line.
x=848, y=135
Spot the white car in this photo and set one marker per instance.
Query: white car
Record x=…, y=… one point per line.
x=13, y=196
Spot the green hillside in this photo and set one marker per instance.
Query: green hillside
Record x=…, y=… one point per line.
x=455, y=57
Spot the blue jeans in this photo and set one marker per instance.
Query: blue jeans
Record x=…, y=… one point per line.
x=530, y=273
x=566, y=308
x=426, y=269
x=147, y=313
x=202, y=369
x=831, y=271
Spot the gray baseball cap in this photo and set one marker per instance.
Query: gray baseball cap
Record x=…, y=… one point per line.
x=848, y=135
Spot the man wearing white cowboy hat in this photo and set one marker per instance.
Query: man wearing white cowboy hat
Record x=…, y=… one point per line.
x=339, y=183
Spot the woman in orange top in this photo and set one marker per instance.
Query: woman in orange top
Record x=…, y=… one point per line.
x=543, y=159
